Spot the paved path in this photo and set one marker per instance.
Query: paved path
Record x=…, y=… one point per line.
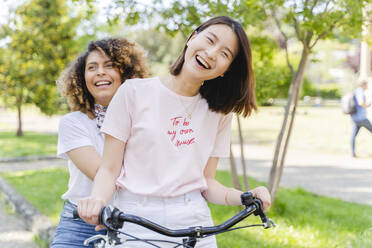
x=32, y=165
x=338, y=176
x=13, y=232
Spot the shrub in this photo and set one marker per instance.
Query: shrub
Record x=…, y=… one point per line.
x=329, y=91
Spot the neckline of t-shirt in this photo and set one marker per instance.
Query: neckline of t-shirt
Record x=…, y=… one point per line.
x=174, y=94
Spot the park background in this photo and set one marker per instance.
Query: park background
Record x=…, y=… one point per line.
x=39, y=38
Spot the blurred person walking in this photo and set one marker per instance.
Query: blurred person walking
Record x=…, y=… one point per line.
x=359, y=118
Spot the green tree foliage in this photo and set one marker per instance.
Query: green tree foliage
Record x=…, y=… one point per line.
x=330, y=91
x=182, y=17
x=271, y=83
x=162, y=50
x=40, y=39
x=272, y=80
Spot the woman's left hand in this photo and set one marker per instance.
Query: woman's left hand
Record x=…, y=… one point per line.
x=263, y=194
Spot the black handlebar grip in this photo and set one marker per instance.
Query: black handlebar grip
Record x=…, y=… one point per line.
x=103, y=216
x=75, y=214
x=246, y=198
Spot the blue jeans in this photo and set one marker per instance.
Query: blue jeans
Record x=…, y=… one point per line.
x=356, y=127
x=71, y=232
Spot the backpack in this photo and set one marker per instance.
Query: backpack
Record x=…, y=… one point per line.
x=348, y=104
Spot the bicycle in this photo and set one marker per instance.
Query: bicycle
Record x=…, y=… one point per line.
x=113, y=219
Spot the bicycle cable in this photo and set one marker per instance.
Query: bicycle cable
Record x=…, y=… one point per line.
x=232, y=229
x=148, y=241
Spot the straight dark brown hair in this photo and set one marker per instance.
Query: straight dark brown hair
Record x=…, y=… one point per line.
x=234, y=92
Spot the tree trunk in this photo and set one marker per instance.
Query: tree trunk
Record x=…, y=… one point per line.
x=234, y=172
x=19, y=112
x=286, y=129
x=246, y=184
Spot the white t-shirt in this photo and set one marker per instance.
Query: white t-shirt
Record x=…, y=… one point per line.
x=76, y=129
x=166, y=152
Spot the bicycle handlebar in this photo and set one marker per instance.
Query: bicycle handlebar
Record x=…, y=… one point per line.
x=113, y=219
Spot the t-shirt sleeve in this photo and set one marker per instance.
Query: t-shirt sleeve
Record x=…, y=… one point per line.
x=118, y=118
x=222, y=144
x=71, y=135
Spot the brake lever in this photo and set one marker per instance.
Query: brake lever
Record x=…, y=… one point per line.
x=109, y=217
x=267, y=223
x=103, y=238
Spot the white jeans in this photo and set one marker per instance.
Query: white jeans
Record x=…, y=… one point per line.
x=178, y=212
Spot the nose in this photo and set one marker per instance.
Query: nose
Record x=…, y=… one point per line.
x=212, y=53
x=100, y=70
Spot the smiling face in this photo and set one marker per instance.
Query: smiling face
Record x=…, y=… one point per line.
x=102, y=78
x=210, y=52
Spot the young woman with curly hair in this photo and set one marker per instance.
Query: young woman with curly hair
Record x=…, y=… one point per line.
x=89, y=85
x=162, y=152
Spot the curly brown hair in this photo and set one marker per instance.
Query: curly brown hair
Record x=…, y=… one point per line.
x=125, y=55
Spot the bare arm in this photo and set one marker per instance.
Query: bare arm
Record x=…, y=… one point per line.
x=104, y=181
x=87, y=159
x=220, y=194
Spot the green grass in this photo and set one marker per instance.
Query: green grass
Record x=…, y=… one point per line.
x=43, y=188
x=304, y=220
x=324, y=129
x=31, y=143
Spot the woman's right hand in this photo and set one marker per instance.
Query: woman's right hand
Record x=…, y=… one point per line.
x=263, y=194
x=89, y=209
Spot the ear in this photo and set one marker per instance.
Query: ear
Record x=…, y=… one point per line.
x=222, y=75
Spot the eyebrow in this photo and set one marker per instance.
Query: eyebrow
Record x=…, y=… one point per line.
x=215, y=37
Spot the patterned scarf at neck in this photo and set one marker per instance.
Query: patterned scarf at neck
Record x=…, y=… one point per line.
x=99, y=112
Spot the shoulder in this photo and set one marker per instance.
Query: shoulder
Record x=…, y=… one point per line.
x=132, y=86
x=139, y=82
x=359, y=90
x=225, y=117
x=359, y=93
x=75, y=118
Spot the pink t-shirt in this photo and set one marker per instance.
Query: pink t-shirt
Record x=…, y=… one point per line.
x=166, y=151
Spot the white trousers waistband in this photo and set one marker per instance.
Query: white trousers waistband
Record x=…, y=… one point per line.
x=178, y=212
x=126, y=196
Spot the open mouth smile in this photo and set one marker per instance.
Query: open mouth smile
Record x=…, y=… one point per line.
x=202, y=62
x=102, y=83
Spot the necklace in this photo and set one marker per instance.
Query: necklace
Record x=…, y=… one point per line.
x=189, y=110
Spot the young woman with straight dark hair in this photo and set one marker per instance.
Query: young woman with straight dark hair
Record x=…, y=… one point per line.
x=165, y=135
